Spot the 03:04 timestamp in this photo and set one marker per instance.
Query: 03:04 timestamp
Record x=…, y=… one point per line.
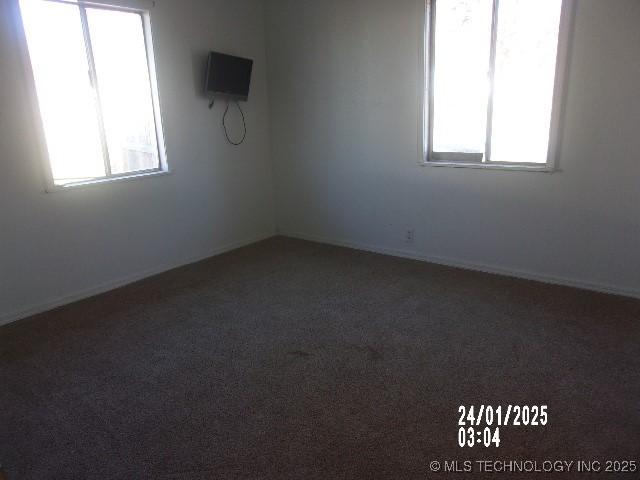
x=471, y=437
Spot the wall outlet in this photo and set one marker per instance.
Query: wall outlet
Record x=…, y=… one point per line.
x=410, y=235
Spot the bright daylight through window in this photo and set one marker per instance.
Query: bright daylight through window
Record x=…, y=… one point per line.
x=93, y=73
x=491, y=80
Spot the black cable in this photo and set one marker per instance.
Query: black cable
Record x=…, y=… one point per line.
x=224, y=124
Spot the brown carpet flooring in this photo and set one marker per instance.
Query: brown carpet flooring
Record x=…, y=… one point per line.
x=294, y=360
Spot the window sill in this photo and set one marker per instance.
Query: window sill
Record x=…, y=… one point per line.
x=545, y=168
x=52, y=188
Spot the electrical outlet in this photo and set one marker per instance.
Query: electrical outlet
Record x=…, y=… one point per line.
x=410, y=235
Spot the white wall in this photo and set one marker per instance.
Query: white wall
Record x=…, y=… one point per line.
x=344, y=119
x=58, y=247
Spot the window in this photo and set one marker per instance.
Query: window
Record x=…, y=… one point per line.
x=94, y=78
x=492, y=89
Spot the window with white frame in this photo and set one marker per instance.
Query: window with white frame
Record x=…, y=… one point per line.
x=493, y=82
x=94, y=77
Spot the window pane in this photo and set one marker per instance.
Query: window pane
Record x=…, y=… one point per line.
x=526, y=54
x=65, y=95
x=461, y=85
x=125, y=90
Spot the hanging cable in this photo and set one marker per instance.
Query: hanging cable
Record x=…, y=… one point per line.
x=244, y=124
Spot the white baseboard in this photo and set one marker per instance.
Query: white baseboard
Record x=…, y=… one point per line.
x=463, y=264
x=105, y=287
x=121, y=282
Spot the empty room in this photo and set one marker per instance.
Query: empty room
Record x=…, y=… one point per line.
x=338, y=239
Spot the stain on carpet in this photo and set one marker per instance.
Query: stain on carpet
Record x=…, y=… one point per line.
x=300, y=354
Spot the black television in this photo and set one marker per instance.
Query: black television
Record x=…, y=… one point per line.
x=228, y=76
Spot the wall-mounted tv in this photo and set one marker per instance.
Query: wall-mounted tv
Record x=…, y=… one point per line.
x=228, y=76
